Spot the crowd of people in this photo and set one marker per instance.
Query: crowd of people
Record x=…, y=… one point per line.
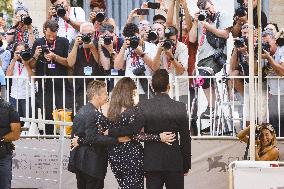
x=74, y=46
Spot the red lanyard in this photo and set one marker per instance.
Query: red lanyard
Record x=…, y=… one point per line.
x=20, y=69
x=97, y=32
x=86, y=55
x=135, y=58
x=53, y=46
x=202, y=37
x=116, y=44
x=20, y=36
x=66, y=24
x=169, y=61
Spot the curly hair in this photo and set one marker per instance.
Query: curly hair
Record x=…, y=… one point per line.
x=97, y=3
x=130, y=29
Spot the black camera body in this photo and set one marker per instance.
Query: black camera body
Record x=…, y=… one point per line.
x=153, y=36
x=153, y=5
x=139, y=70
x=168, y=44
x=220, y=58
x=100, y=16
x=134, y=41
x=240, y=42
x=26, y=20
x=264, y=46
x=26, y=55
x=280, y=41
x=108, y=40
x=203, y=15
x=240, y=12
x=86, y=38
x=44, y=49
x=60, y=10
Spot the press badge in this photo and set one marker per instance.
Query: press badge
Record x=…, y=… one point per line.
x=114, y=72
x=88, y=70
x=51, y=66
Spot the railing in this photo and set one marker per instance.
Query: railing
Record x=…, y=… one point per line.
x=230, y=115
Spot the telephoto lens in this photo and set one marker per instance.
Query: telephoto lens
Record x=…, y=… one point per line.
x=100, y=16
x=153, y=36
x=26, y=55
x=27, y=20
x=168, y=44
x=60, y=10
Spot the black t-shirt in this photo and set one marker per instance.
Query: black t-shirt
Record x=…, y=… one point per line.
x=44, y=68
x=8, y=116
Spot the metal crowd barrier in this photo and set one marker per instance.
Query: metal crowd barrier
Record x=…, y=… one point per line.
x=230, y=114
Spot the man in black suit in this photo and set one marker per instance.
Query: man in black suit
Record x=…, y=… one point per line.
x=163, y=164
x=88, y=158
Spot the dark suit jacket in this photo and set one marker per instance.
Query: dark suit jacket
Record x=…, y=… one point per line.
x=91, y=159
x=162, y=114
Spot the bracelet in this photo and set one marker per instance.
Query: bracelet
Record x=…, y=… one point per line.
x=2, y=139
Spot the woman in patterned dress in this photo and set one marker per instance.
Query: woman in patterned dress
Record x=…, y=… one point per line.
x=126, y=159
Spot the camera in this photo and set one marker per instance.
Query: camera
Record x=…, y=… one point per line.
x=240, y=42
x=241, y=11
x=86, y=38
x=44, y=49
x=134, y=42
x=26, y=20
x=143, y=12
x=280, y=41
x=168, y=44
x=264, y=46
x=100, y=16
x=139, y=70
x=60, y=10
x=26, y=55
x=108, y=40
x=220, y=58
x=153, y=36
x=203, y=15
x=153, y=5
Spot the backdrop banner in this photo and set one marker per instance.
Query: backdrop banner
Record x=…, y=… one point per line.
x=36, y=164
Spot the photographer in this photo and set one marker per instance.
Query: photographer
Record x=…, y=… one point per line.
x=109, y=45
x=69, y=18
x=22, y=29
x=49, y=58
x=136, y=57
x=275, y=65
x=98, y=16
x=172, y=56
x=212, y=29
x=9, y=131
x=84, y=59
x=240, y=18
x=265, y=140
x=20, y=67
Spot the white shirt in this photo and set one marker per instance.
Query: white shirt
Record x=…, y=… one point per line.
x=273, y=83
x=76, y=14
x=150, y=50
x=181, y=55
x=20, y=86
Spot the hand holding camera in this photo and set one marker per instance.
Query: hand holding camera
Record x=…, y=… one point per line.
x=97, y=16
x=50, y=56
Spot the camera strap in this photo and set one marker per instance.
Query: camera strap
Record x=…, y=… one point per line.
x=66, y=24
x=168, y=60
x=116, y=44
x=88, y=57
x=20, y=35
x=202, y=39
x=53, y=46
x=20, y=68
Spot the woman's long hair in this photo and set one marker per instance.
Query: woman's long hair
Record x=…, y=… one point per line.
x=122, y=97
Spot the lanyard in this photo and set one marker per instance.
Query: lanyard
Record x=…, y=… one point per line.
x=88, y=57
x=135, y=57
x=20, y=36
x=116, y=44
x=202, y=37
x=20, y=69
x=53, y=46
x=169, y=61
x=66, y=24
